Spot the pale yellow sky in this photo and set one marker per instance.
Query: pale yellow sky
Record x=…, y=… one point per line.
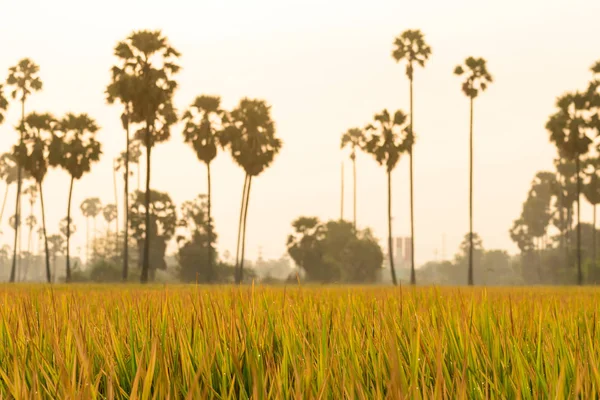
x=324, y=66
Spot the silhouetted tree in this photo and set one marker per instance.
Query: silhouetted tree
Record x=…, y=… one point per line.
x=477, y=80
x=567, y=128
x=411, y=47
x=24, y=79
x=56, y=246
x=150, y=60
x=109, y=212
x=389, y=137
x=355, y=139
x=250, y=135
x=8, y=173
x=90, y=208
x=74, y=148
x=203, y=124
x=591, y=191
x=3, y=104
x=33, y=155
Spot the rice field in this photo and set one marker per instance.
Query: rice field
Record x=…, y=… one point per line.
x=194, y=342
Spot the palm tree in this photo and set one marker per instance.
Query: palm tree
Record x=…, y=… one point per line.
x=3, y=104
x=90, y=208
x=24, y=79
x=477, y=80
x=149, y=63
x=355, y=139
x=388, y=138
x=411, y=46
x=56, y=246
x=249, y=133
x=203, y=122
x=591, y=191
x=9, y=170
x=567, y=128
x=109, y=212
x=74, y=149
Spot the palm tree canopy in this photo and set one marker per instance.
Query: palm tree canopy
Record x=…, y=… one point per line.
x=3, y=103
x=33, y=152
x=567, y=127
x=23, y=77
x=135, y=152
x=109, y=212
x=389, y=138
x=477, y=76
x=91, y=207
x=411, y=46
x=203, y=122
x=74, y=147
x=63, y=226
x=9, y=169
x=355, y=139
x=250, y=134
x=163, y=215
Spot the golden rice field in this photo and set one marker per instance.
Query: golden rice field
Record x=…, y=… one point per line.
x=178, y=342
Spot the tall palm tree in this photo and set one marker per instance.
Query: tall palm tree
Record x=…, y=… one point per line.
x=388, y=138
x=74, y=148
x=411, y=47
x=249, y=132
x=355, y=139
x=150, y=62
x=477, y=80
x=203, y=124
x=24, y=79
x=568, y=131
x=109, y=212
x=57, y=244
x=9, y=170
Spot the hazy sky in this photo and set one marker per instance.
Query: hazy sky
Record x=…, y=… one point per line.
x=324, y=66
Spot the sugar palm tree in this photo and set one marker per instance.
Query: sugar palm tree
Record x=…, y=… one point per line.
x=24, y=80
x=477, y=79
x=109, y=212
x=203, y=124
x=411, y=47
x=249, y=133
x=8, y=173
x=3, y=103
x=355, y=139
x=568, y=131
x=56, y=247
x=388, y=137
x=591, y=191
x=74, y=148
x=150, y=62
x=90, y=208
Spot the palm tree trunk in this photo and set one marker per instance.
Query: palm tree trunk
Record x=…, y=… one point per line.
x=146, y=264
x=210, y=234
x=237, y=249
x=470, y=278
x=126, y=211
x=413, y=278
x=594, y=245
x=4, y=202
x=116, y=215
x=354, y=190
x=48, y=275
x=13, y=270
x=390, y=240
x=342, y=195
x=68, y=278
x=244, y=231
x=579, y=271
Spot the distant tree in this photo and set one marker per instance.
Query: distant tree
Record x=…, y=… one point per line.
x=91, y=208
x=8, y=173
x=24, y=80
x=567, y=128
x=355, y=139
x=591, y=191
x=203, y=125
x=163, y=221
x=109, y=212
x=149, y=59
x=334, y=251
x=74, y=148
x=388, y=138
x=33, y=155
x=193, y=254
x=477, y=80
x=249, y=132
x=56, y=247
x=411, y=47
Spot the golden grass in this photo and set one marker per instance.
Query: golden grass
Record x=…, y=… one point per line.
x=312, y=342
